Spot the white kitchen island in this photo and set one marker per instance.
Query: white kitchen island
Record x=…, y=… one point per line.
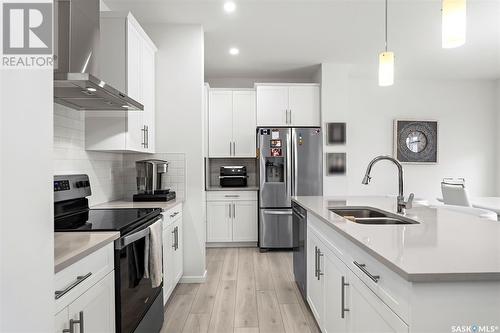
x=440, y=275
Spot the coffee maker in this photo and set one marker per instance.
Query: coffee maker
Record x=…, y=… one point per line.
x=149, y=181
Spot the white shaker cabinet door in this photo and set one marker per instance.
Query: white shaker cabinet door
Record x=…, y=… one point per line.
x=368, y=313
x=220, y=122
x=97, y=307
x=315, y=286
x=245, y=221
x=335, y=276
x=168, y=259
x=244, y=123
x=304, y=105
x=178, y=251
x=148, y=88
x=62, y=321
x=272, y=105
x=219, y=222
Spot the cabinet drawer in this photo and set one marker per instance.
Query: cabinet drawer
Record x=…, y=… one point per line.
x=74, y=280
x=171, y=215
x=232, y=196
x=391, y=288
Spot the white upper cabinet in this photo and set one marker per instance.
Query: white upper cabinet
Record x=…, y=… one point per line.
x=272, y=105
x=288, y=105
x=232, y=123
x=128, y=64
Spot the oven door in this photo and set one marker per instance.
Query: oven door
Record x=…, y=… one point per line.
x=134, y=293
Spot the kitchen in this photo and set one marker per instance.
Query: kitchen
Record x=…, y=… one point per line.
x=247, y=124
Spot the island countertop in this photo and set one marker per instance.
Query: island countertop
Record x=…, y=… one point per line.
x=70, y=247
x=446, y=245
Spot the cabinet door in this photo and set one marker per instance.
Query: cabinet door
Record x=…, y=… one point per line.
x=62, y=320
x=178, y=252
x=335, y=272
x=219, y=222
x=168, y=259
x=97, y=306
x=148, y=88
x=272, y=105
x=368, y=313
x=304, y=105
x=315, y=286
x=245, y=221
x=220, y=122
x=135, y=124
x=244, y=123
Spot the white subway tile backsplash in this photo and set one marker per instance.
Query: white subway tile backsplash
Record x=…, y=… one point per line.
x=112, y=175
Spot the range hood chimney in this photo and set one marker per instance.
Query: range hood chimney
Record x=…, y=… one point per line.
x=76, y=66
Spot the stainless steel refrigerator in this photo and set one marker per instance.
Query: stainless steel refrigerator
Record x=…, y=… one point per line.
x=291, y=164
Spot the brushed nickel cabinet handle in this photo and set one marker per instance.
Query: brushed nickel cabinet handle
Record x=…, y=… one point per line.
x=72, y=323
x=315, y=261
x=343, y=309
x=79, y=279
x=362, y=267
x=320, y=273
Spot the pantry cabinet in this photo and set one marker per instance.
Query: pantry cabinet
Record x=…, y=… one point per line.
x=172, y=250
x=127, y=62
x=231, y=216
x=231, y=123
x=288, y=105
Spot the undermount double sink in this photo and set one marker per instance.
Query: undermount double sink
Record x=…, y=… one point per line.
x=368, y=215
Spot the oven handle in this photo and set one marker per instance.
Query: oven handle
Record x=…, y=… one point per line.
x=127, y=240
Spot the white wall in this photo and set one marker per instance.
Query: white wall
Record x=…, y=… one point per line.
x=179, y=124
x=105, y=170
x=498, y=135
x=467, y=131
x=26, y=207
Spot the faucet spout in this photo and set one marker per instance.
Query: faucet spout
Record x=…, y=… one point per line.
x=401, y=201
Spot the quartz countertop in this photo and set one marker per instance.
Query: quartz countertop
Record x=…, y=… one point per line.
x=128, y=203
x=70, y=247
x=220, y=188
x=446, y=245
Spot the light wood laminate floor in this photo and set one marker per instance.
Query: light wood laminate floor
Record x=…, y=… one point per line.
x=246, y=292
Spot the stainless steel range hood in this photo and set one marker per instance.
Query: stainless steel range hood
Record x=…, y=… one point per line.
x=76, y=82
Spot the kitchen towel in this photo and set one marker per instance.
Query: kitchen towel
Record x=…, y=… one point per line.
x=153, y=262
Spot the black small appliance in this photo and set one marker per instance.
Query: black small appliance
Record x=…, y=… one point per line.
x=233, y=176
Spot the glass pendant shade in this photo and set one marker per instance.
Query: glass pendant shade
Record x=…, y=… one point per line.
x=386, y=69
x=454, y=23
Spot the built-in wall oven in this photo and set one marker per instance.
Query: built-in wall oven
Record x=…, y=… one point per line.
x=138, y=302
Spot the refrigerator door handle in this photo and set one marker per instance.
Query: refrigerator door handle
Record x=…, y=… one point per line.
x=289, y=159
x=278, y=212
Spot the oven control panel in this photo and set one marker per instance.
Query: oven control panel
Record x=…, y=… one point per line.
x=67, y=187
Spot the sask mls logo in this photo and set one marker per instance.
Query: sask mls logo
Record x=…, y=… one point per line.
x=27, y=30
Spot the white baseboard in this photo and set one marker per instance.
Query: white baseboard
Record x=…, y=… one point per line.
x=231, y=244
x=194, y=278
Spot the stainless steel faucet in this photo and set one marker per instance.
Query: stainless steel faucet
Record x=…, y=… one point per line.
x=402, y=204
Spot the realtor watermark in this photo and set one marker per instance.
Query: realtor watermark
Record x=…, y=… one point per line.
x=474, y=328
x=27, y=39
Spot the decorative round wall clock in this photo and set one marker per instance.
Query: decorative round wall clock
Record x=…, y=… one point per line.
x=416, y=141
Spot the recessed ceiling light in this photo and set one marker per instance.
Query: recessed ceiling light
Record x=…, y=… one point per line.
x=229, y=6
x=125, y=106
x=234, y=51
x=92, y=89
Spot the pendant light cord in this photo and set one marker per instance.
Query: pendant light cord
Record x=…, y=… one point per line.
x=386, y=25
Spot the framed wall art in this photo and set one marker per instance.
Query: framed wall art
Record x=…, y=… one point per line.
x=416, y=141
x=336, y=164
x=336, y=133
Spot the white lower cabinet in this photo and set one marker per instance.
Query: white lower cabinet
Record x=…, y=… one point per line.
x=232, y=216
x=339, y=300
x=90, y=304
x=368, y=313
x=173, y=267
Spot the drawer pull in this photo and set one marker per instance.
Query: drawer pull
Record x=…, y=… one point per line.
x=362, y=267
x=232, y=196
x=174, y=214
x=79, y=279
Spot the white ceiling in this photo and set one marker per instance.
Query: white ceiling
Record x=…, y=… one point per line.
x=287, y=38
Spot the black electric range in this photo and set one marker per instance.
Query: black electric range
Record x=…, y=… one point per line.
x=138, y=304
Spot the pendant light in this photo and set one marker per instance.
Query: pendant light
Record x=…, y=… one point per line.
x=386, y=62
x=454, y=23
